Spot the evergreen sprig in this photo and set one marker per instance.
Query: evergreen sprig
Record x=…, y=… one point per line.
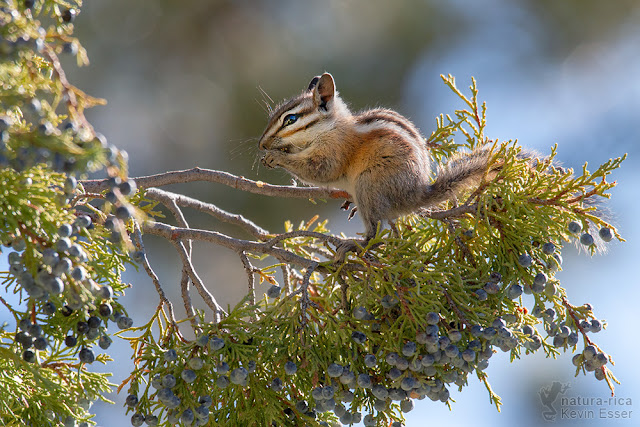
x=64, y=264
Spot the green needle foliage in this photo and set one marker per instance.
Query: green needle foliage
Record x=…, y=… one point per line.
x=416, y=313
x=64, y=265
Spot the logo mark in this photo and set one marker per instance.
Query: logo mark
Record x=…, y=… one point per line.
x=548, y=396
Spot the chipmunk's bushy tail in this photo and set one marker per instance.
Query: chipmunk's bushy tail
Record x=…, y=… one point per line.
x=463, y=171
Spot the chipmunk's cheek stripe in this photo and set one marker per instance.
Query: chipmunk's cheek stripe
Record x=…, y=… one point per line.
x=311, y=123
x=302, y=127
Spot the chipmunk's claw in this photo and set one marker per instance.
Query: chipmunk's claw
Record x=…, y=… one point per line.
x=345, y=247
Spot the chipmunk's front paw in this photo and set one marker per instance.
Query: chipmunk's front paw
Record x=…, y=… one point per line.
x=269, y=160
x=272, y=159
x=345, y=247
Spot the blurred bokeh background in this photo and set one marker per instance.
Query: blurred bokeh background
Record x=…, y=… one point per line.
x=182, y=82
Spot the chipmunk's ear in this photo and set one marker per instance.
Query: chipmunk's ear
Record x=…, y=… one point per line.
x=313, y=83
x=323, y=88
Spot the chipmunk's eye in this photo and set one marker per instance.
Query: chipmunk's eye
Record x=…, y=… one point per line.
x=289, y=119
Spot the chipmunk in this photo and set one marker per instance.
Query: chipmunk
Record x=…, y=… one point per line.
x=377, y=156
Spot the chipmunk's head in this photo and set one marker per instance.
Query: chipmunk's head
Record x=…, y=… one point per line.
x=301, y=121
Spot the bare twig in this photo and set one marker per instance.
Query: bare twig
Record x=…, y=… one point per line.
x=182, y=221
x=184, y=281
x=197, y=282
x=175, y=234
x=576, y=322
x=186, y=297
x=554, y=201
x=465, y=250
x=188, y=271
x=454, y=307
x=69, y=89
x=336, y=241
x=225, y=178
x=250, y=269
x=154, y=277
x=167, y=197
x=171, y=204
x=305, y=301
x=286, y=278
x=343, y=288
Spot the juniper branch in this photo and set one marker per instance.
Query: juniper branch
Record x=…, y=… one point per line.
x=186, y=297
x=167, y=197
x=286, y=273
x=154, y=277
x=225, y=178
x=208, y=298
x=250, y=269
x=171, y=204
x=174, y=234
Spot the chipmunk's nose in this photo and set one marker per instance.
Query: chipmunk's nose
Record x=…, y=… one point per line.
x=262, y=142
